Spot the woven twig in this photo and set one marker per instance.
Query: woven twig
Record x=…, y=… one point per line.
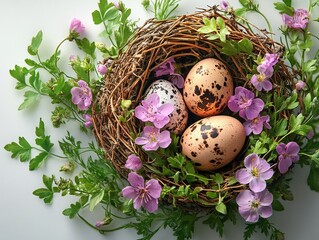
x=131, y=74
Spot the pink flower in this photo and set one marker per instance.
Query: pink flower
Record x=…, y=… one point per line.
x=245, y=103
x=143, y=194
x=82, y=95
x=102, y=69
x=256, y=125
x=76, y=27
x=252, y=205
x=153, y=111
x=224, y=5
x=88, y=120
x=152, y=139
x=257, y=170
x=133, y=163
x=288, y=154
x=298, y=21
x=300, y=85
x=167, y=68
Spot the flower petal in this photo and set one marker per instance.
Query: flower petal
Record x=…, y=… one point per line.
x=284, y=165
x=166, y=109
x=135, y=180
x=265, y=212
x=129, y=192
x=248, y=214
x=244, y=176
x=141, y=113
x=292, y=148
x=251, y=161
x=265, y=198
x=257, y=185
x=138, y=202
x=151, y=205
x=281, y=148
x=154, y=188
x=244, y=197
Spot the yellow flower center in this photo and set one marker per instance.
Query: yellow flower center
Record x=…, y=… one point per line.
x=255, y=172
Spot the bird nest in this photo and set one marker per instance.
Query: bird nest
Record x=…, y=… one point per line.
x=130, y=75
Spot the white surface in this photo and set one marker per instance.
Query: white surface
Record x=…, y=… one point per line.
x=24, y=216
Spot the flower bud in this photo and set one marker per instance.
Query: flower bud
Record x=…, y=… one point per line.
x=300, y=85
x=102, y=69
x=105, y=221
x=76, y=28
x=101, y=47
x=68, y=167
x=125, y=104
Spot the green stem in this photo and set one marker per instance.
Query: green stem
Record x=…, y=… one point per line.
x=52, y=154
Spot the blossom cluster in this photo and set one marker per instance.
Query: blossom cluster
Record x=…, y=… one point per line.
x=168, y=68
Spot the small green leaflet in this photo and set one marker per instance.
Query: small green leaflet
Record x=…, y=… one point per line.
x=42, y=140
x=37, y=161
x=30, y=98
x=284, y=8
x=46, y=193
x=19, y=73
x=35, y=44
x=221, y=207
x=72, y=210
x=21, y=149
x=95, y=200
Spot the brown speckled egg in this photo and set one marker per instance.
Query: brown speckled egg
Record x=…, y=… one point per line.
x=169, y=93
x=208, y=86
x=213, y=142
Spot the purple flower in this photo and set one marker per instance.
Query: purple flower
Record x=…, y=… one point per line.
x=245, y=103
x=153, y=111
x=261, y=82
x=310, y=134
x=76, y=28
x=166, y=68
x=252, y=205
x=152, y=139
x=88, y=120
x=288, y=154
x=224, y=5
x=270, y=59
x=255, y=125
x=143, y=195
x=256, y=171
x=298, y=21
x=133, y=163
x=82, y=95
x=102, y=69
x=177, y=80
x=300, y=85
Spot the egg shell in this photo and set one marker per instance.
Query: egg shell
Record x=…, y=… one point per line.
x=213, y=142
x=208, y=87
x=169, y=93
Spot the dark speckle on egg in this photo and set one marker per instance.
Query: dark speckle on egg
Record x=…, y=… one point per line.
x=214, y=133
x=194, y=154
x=197, y=90
x=204, y=135
x=205, y=127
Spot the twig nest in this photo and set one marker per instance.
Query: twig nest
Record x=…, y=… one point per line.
x=133, y=73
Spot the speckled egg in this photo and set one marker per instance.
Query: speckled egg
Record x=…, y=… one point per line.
x=213, y=142
x=169, y=93
x=208, y=86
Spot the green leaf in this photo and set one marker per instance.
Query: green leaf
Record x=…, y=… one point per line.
x=277, y=205
x=280, y=128
x=95, y=200
x=307, y=102
x=21, y=150
x=72, y=211
x=240, y=11
x=42, y=140
x=309, y=66
x=19, y=73
x=283, y=8
x=229, y=48
x=97, y=19
x=37, y=161
x=177, y=161
x=45, y=193
x=35, y=44
x=313, y=177
x=200, y=177
x=40, y=130
x=221, y=207
x=245, y=45
x=30, y=98
x=85, y=45
x=245, y=3
x=212, y=195
x=287, y=2
x=218, y=178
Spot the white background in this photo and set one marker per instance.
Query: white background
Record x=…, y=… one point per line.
x=24, y=216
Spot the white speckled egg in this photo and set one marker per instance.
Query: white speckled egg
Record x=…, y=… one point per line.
x=169, y=93
x=208, y=87
x=213, y=142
